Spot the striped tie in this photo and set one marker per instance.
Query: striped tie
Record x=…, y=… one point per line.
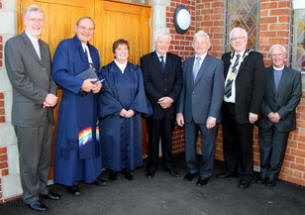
x=228, y=87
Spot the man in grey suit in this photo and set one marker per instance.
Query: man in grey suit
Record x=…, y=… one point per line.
x=28, y=64
x=199, y=107
x=283, y=92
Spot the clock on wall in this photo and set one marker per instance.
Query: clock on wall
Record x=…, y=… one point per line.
x=182, y=19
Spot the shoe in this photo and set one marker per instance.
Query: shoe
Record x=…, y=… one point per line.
x=260, y=180
x=202, y=181
x=243, y=185
x=37, y=206
x=271, y=183
x=225, y=175
x=127, y=174
x=190, y=176
x=150, y=175
x=100, y=182
x=172, y=172
x=113, y=176
x=74, y=190
x=51, y=195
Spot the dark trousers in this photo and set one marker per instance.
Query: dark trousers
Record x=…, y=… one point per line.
x=237, y=144
x=272, y=150
x=208, y=140
x=35, y=149
x=160, y=128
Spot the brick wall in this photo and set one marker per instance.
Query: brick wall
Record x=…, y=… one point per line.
x=274, y=28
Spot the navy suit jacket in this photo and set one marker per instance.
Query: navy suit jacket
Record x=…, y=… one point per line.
x=203, y=97
x=284, y=100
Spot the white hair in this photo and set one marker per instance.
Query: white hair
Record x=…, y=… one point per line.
x=281, y=47
x=32, y=8
x=201, y=33
x=238, y=29
x=163, y=34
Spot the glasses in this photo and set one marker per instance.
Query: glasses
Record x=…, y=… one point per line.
x=237, y=38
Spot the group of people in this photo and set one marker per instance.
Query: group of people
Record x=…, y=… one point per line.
x=99, y=123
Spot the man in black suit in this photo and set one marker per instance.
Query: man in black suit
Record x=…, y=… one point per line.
x=282, y=94
x=162, y=82
x=199, y=107
x=243, y=70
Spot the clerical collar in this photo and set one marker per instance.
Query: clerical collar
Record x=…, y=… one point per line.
x=278, y=69
x=122, y=66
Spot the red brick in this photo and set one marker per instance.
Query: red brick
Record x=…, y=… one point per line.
x=5, y=172
x=0, y=39
x=268, y=5
x=2, y=119
x=300, y=160
x=282, y=4
x=284, y=19
x=3, y=151
x=3, y=165
x=277, y=12
x=1, y=96
x=279, y=27
x=3, y=158
x=268, y=20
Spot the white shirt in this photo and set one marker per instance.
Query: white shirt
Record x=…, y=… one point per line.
x=164, y=57
x=231, y=99
x=121, y=66
x=35, y=43
x=85, y=47
x=201, y=59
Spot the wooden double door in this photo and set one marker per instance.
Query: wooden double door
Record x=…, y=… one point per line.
x=113, y=20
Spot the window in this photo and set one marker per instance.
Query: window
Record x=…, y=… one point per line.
x=243, y=13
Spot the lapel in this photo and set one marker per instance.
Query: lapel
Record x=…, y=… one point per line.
x=43, y=52
x=243, y=63
x=271, y=84
x=157, y=63
x=203, y=69
x=189, y=70
x=29, y=46
x=81, y=50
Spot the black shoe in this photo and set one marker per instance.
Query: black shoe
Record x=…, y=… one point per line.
x=243, y=185
x=260, y=180
x=127, y=174
x=37, y=206
x=74, y=190
x=202, y=181
x=172, y=172
x=190, y=176
x=51, y=195
x=150, y=175
x=113, y=176
x=225, y=175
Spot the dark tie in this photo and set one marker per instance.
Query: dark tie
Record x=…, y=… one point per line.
x=277, y=77
x=162, y=63
x=86, y=54
x=228, y=87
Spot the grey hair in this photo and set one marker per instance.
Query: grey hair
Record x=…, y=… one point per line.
x=238, y=29
x=201, y=33
x=283, y=49
x=31, y=8
x=162, y=34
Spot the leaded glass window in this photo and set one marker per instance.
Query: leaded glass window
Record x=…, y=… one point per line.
x=298, y=46
x=243, y=13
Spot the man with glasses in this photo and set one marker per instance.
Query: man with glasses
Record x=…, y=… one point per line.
x=243, y=70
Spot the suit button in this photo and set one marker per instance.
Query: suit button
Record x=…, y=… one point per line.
x=165, y=90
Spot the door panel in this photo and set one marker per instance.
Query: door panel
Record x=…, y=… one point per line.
x=113, y=20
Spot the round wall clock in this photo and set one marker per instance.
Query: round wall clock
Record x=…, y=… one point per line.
x=182, y=19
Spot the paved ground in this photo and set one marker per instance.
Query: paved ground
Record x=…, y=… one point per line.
x=164, y=195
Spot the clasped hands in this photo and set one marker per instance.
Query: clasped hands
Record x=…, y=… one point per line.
x=127, y=113
x=88, y=86
x=165, y=102
x=274, y=117
x=49, y=101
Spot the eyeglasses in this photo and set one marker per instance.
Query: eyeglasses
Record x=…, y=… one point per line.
x=237, y=38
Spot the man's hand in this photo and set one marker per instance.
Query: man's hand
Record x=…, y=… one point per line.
x=50, y=100
x=97, y=87
x=253, y=117
x=274, y=117
x=87, y=85
x=165, y=102
x=130, y=113
x=211, y=122
x=180, y=119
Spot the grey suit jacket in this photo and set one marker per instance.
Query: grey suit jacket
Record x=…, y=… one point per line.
x=284, y=100
x=31, y=81
x=203, y=97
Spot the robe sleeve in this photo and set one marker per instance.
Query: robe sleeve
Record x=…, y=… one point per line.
x=108, y=104
x=61, y=72
x=141, y=103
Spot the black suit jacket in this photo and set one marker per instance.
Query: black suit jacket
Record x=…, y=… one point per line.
x=284, y=100
x=249, y=85
x=159, y=83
